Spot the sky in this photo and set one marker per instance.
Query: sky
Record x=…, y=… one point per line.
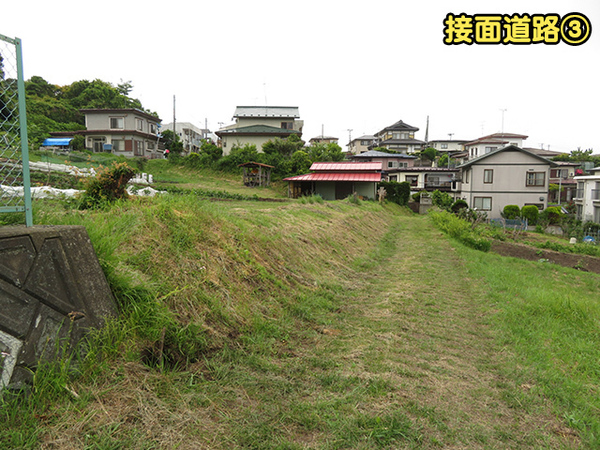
x=352, y=68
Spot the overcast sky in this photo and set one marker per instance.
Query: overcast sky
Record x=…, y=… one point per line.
x=358, y=66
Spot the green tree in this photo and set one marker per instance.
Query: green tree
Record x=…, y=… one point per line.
x=171, y=142
x=429, y=154
x=284, y=147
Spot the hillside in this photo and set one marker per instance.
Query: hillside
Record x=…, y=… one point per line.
x=290, y=325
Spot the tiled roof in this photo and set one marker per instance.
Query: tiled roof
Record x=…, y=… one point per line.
x=378, y=154
x=374, y=177
x=399, y=126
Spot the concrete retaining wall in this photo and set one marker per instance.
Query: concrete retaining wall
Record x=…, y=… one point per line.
x=52, y=291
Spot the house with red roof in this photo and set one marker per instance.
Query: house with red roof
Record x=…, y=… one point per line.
x=337, y=180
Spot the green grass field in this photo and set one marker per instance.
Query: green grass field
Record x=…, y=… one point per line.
x=307, y=324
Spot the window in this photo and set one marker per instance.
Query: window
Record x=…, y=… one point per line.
x=412, y=179
x=392, y=164
x=150, y=145
x=490, y=149
x=139, y=124
x=287, y=125
x=153, y=128
x=466, y=176
x=393, y=177
x=444, y=146
x=536, y=179
x=116, y=123
x=365, y=142
x=488, y=175
x=482, y=203
x=118, y=145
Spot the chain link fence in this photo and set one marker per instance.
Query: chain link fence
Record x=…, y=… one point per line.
x=15, y=190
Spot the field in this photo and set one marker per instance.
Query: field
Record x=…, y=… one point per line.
x=308, y=324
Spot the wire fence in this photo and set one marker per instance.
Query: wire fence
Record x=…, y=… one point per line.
x=15, y=185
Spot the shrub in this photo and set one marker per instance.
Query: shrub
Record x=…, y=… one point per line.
x=460, y=229
x=511, y=212
x=458, y=205
x=530, y=213
x=108, y=185
x=551, y=215
x=396, y=192
x=442, y=200
x=416, y=197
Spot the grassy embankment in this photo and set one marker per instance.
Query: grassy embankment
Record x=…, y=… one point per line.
x=316, y=325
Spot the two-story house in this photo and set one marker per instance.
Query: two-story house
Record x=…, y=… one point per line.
x=127, y=132
x=399, y=137
x=493, y=142
x=255, y=125
x=587, y=198
x=361, y=144
x=506, y=176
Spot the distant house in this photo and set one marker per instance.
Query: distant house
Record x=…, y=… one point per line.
x=448, y=145
x=390, y=161
x=127, y=132
x=587, y=197
x=323, y=140
x=493, y=142
x=507, y=176
x=361, y=144
x=399, y=137
x=337, y=180
x=255, y=125
x=190, y=135
x=425, y=178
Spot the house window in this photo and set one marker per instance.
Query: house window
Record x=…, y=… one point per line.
x=153, y=128
x=118, y=145
x=444, y=146
x=287, y=125
x=392, y=164
x=139, y=124
x=393, y=177
x=488, y=175
x=403, y=164
x=482, y=203
x=116, y=123
x=412, y=179
x=490, y=149
x=536, y=179
x=150, y=145
x=466, y=176
x=365, y=142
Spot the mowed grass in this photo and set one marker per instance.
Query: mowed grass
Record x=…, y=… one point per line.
x=316, y=325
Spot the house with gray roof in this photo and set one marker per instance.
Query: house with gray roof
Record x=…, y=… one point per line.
x=506, y=176
x=399, y=137
x=256, y=125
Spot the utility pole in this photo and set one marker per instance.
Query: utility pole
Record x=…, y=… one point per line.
x=349, y=135
x=174, y=121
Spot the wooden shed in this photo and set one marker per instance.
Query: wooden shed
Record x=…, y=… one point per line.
x=256, y=174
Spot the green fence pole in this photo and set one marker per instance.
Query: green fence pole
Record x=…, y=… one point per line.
x=24, y=137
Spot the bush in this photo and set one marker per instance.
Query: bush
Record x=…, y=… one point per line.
x=551, y=215
x=396, y=192
x=530, y=213
x=460, y=229
x=442, y=200
x=458, y=205
x=107, y=186
x=511, y=212
x=416, y=197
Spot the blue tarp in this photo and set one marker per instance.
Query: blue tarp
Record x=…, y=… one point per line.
x=56, y=142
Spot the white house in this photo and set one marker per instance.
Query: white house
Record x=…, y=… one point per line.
x=587, y=197
x=493, y=142
x=506, y=176
x=255, y=125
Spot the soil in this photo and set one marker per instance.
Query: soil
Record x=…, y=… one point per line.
x=581, y=262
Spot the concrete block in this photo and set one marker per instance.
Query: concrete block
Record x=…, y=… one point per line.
x=52, y=292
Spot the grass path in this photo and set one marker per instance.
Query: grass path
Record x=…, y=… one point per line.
x=420, y=326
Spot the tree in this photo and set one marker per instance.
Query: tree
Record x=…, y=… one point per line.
x=284, y=147
x=171, y=142
x=429, y=153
